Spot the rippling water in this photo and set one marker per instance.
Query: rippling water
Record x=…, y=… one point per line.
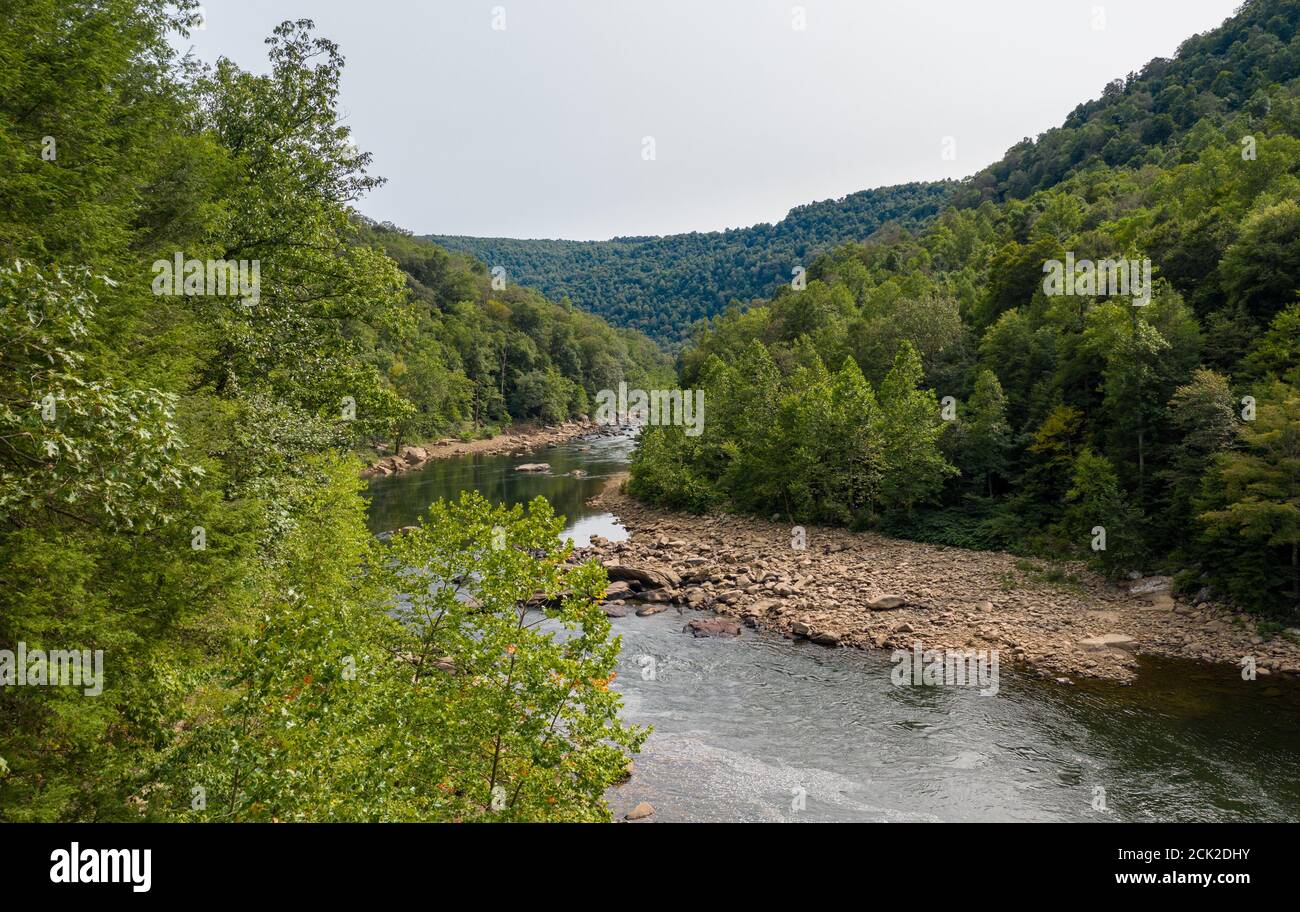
x=760, y=728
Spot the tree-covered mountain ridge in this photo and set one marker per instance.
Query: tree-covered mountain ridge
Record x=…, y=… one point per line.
x=661, y=285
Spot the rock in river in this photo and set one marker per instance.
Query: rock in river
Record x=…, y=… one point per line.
x=618, y=590
x=712, y=627
x=649, y=579
x=640, y=812
x=414, y=455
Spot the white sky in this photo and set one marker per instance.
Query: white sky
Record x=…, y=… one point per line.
x=536, y=130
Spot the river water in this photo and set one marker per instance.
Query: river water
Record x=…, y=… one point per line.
x=760, y=728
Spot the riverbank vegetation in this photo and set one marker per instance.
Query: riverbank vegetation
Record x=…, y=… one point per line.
x=175, y=484
x=1168, y=431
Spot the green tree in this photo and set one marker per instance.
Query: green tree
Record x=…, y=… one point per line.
x=1256, y=489
x=747, y=396
x=544, y=395
x=1098, y=507
x=1276, y=355
x=484, y=696
x=1261, y=270
x=909, y=429
x=1203, y=415
x=988, y=436
x=856, y=463
x=1131, y=349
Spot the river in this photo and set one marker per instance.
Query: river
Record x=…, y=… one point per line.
x=760, y=728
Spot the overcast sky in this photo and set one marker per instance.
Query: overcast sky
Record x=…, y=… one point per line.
x=537, y=128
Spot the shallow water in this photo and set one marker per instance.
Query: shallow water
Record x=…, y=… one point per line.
x=399, y=500
x=760, y=728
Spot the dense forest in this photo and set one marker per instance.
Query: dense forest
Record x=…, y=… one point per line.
x=1144, y=117
x=663, y=285
x=467, y=356
x=200, y=332
x=178, y=493
x=933, y=384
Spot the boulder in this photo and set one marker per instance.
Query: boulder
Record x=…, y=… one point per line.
x=618, y=590
x=712, y=627
x=534, y=467
x=648, y=610
x=1150, y=585
x=640, y=812
x=824, y=638
x=413, y=455
x=650, y=579
x=1109, y=641
x=887, y=603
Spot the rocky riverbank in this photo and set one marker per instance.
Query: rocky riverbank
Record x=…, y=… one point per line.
x=872, y=592
x=517, y=440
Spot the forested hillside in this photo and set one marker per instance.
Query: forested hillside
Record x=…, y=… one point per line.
x=177, y=495
x=1143, y=117
x=468, y=356
x=1160, y=435
x=662, y=285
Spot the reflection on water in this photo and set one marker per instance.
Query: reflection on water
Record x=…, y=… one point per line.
x=400, y=500
x=745, y=727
